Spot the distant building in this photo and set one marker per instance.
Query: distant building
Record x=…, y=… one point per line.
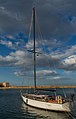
x=4, y=84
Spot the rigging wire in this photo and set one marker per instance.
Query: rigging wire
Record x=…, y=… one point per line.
x=41, y=37
x=40, y=34
x=71, y=115
x=30, y=27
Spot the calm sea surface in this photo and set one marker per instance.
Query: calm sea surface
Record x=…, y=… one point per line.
x=12, y=107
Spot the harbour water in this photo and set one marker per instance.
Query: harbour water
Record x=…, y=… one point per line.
x=12, y=107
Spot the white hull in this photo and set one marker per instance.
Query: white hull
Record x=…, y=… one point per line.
x=65, y=107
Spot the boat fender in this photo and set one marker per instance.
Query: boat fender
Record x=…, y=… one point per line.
x=59, y=99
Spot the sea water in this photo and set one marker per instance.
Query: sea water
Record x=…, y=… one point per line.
x=12, y=107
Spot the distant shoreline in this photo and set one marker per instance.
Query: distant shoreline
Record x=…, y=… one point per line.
x=25, y=87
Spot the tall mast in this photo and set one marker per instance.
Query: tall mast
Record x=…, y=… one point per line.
x=34, y=47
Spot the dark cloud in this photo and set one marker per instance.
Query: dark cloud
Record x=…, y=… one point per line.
x=53, y=16
x=14, y=15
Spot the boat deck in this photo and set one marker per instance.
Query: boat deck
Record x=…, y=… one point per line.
x=44, y=98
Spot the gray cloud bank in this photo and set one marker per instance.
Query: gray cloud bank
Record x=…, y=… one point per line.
x=56, y=17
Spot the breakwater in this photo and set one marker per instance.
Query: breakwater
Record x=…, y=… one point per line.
x=25, y=87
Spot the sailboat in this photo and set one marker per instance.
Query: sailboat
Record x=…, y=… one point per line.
x=43, y=101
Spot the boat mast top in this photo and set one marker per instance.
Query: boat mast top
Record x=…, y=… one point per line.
x=34, y=47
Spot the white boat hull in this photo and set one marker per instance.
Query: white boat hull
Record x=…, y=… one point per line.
x=65, y=107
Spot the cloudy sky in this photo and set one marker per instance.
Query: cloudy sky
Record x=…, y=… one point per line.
x=55, y=42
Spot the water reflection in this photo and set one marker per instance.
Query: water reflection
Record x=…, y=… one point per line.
x=42, y=114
